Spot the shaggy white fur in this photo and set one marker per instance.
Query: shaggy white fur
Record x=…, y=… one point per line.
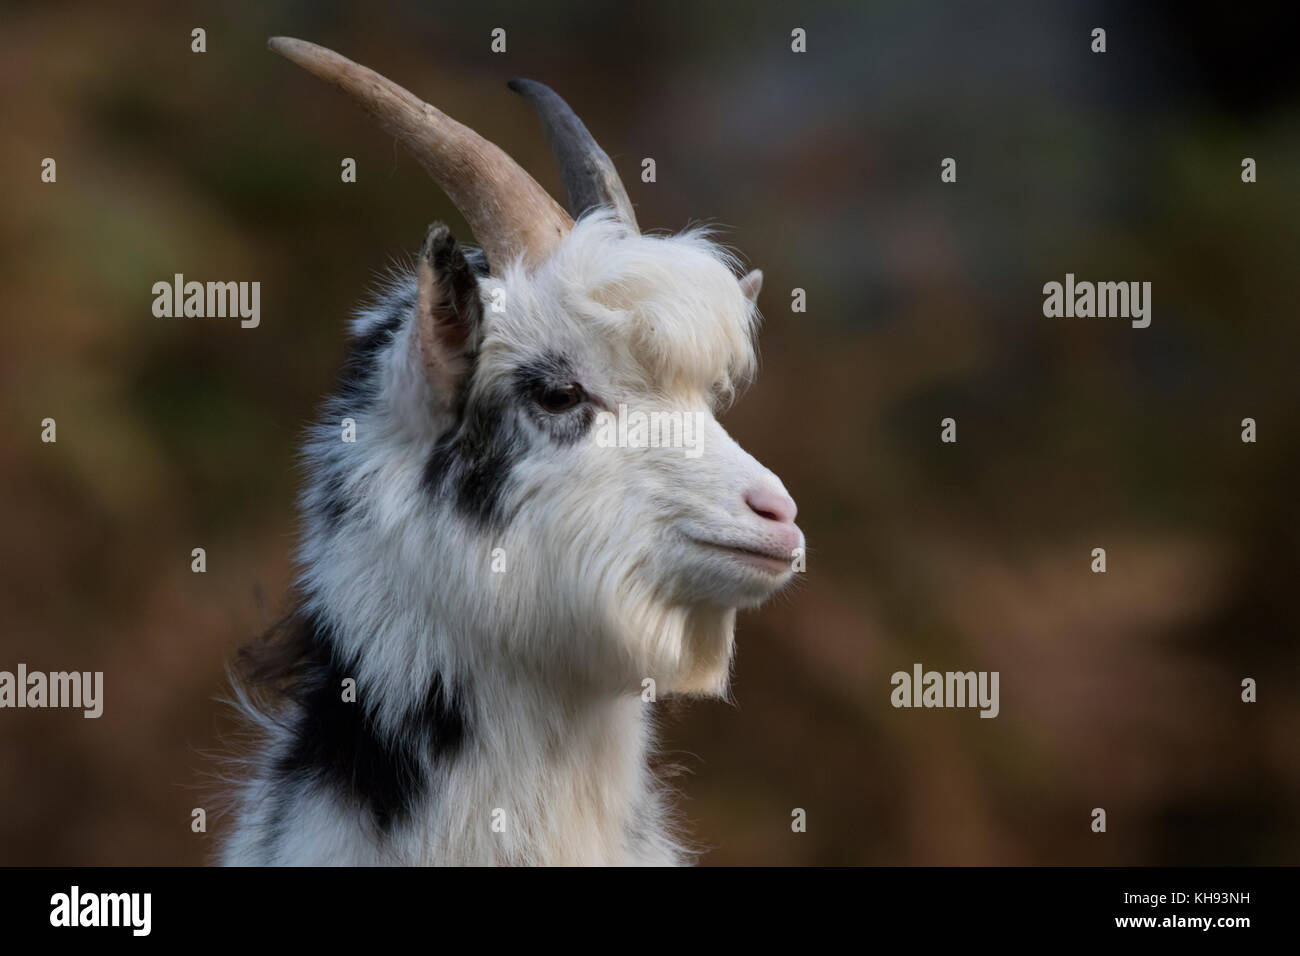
x=598, y=569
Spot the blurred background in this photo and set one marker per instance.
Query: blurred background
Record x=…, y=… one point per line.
x=1118, y=690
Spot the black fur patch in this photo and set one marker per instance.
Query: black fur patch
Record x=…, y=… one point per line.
x=457, y=268
x=335, y=743
x=356, y=379
x=333, y=504
x=473, y=459
x=355, y=391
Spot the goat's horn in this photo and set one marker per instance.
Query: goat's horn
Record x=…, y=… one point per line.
x=590, y=178
x=510, y=214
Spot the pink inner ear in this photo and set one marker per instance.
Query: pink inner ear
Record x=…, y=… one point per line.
x=451, y=326
x=448, y=302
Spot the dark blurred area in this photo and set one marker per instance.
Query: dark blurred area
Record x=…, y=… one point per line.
x=1119, y=690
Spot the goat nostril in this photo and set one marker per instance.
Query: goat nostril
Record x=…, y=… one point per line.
x=772, y=505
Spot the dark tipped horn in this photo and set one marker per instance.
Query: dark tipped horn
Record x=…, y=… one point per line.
x=590, y=178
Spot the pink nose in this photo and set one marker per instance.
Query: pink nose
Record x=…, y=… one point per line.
x=772, y=504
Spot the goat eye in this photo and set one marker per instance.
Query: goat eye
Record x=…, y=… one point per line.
x=561, y=399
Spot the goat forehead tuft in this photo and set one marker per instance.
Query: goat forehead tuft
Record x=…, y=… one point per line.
x=667, y=310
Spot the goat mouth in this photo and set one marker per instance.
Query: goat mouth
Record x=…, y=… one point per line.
x=763, y=559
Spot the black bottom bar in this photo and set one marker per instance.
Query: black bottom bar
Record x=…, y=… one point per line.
x=303, y=905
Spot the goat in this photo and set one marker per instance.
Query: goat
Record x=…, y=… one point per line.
x=487, y=594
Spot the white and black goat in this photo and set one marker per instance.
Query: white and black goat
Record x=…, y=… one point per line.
x=493, y=572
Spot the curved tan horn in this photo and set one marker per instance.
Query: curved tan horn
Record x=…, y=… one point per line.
x=510, y=213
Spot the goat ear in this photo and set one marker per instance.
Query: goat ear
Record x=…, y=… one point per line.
x=751, y=284
x=449, y=308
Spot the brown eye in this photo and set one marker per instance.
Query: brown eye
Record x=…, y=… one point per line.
x=561, y=399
